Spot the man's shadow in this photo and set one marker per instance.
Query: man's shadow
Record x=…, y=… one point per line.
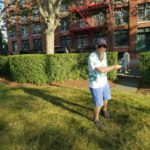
x=59, y=102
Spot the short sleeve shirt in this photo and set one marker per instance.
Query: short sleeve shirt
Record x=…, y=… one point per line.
x=96, y=78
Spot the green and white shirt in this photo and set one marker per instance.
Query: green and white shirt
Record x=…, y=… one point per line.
x=96, y=78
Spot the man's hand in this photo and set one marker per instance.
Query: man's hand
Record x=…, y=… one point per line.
x=116, y=67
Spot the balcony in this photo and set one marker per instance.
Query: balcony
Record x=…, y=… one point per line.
x=90, y=6
x=81, y=25
x=121, y=1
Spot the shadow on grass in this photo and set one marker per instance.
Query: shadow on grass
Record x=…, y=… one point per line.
x=118, y=104
x=55, y=138
x=58, y=102
x=123, y=126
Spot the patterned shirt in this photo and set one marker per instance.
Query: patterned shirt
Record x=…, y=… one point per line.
x=96, y=78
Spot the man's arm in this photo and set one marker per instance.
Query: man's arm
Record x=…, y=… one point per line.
x=108, y=69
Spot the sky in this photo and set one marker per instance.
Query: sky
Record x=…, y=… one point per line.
x=1, y=7
x=1, y=3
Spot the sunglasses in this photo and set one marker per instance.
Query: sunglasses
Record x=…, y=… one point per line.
x=104, y=46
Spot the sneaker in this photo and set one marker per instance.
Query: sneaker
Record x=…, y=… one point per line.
x=98, y=124
x=105, y=113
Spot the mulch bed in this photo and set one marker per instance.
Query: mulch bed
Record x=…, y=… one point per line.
x=79, y=84
x=76, y=84
x=68, y=83
x=144, y=89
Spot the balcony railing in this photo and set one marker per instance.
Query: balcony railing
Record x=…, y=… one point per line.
x=90, y=6
x=81, y=25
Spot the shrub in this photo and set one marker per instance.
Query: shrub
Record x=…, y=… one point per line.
x=40, y=68
x=28, y=68
x=62, y=67
x=145, y=67
x=4, y=66
x=112, y=58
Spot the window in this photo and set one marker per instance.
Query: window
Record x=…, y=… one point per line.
x=35, y=14
x=11, y=2
x=24, y=19
x=25, y=45
x=63, y=7
x=99, y=19
x=21, y=2
x=24, y=31
x=12, y=20
x=144, y=12
x=121, y=16
x=36, y=29
x=65, y=41
x=96, y=1
x=12, y=31
x=37, y=44
x=64, y=25
x=80, y=23
x=143, y=39
x=82, y=41
x=79, y=2
x=120, y=1
x=121, y=38
x=14, y=46
x=98, y=36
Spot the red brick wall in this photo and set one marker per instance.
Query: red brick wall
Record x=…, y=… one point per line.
x=132, y=27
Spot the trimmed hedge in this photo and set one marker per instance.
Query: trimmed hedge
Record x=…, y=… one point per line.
x=60, y=67
x=28, y=68
x=112, y=58
x=40, y=68
x=145, y=67
x=4, y=66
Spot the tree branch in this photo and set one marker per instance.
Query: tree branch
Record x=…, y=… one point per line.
x=42, y=10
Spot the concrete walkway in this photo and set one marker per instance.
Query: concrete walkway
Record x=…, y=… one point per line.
x=129, y=82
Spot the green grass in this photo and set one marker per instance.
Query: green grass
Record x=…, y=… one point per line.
x=51, y=118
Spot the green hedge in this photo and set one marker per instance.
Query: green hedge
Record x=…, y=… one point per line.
x=112, y=58
x=40, y=68
x=60, y=67
x=145, y=66
x=48, y=68
x=4, y=66
x=28, y=68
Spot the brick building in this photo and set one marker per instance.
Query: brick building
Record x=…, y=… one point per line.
x=124, y=23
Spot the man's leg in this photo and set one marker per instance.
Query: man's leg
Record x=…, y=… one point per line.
x=107, y=96
x=105, y=112
x=98, y=102
x=96, y=113
x=105, y=108
x=126, y=67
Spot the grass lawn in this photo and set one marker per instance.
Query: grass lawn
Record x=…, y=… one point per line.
x=51, y=118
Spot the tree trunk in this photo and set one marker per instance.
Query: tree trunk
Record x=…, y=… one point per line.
x=50, y=42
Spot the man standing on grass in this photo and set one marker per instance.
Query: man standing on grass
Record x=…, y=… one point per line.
x=98, y=83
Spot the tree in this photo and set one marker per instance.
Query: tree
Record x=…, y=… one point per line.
x=0, y=26
x=50, y=11
x=3, y=44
